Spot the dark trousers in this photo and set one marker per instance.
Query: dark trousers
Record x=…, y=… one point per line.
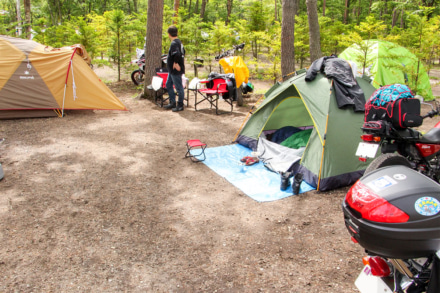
x=175, y=81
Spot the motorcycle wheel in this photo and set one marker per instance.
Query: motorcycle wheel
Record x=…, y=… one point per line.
x=137, y=77
x=385, y=160
x=240, y=96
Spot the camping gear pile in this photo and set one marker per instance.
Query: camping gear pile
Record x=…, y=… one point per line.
x=236, y=66
x=326, y=158
x=40, y=81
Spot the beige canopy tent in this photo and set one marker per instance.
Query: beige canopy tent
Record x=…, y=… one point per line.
x=40, y=81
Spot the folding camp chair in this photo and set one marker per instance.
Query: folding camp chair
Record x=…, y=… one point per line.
x=214, y=91
x=195, y=144
x=159, y=93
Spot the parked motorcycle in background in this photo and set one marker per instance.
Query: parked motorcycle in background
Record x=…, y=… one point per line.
x=394, y=214
x=229, y=53
x=137, y=76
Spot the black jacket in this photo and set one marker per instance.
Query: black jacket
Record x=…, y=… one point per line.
x=347, y=90
x=176, y=54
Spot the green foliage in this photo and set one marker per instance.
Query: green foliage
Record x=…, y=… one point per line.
x=273, y=42
x=301, y=40
x=97, y=24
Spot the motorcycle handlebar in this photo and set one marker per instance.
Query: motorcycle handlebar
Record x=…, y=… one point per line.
x=431, y=114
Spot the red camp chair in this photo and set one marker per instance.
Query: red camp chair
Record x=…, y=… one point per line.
x=213, y=94
x=159, y=95
x=195, y=144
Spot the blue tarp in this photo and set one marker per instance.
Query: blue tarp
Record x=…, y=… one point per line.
x=256, y=181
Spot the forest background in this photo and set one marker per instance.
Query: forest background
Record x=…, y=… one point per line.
x=111, y=30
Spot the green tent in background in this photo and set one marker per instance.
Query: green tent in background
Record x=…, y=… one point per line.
x=329, y=160
x=389, y=63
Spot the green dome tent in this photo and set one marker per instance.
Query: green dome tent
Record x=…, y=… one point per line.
x=389, y=63
x=329, y=159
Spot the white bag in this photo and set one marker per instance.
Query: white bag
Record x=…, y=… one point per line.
x=156, y=83
x=194, y=84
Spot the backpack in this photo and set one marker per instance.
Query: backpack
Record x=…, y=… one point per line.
x=396, y=104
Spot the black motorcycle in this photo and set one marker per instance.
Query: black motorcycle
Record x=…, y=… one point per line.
x=229, y=53
x=394, y=214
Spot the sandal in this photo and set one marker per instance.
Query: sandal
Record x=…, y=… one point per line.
x=244, y=159
x=251, y=161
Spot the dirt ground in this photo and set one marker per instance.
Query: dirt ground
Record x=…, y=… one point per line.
x=104, y=201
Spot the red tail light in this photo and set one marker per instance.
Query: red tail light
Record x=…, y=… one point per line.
x=370, y=138
x=367, y=137
x=373, y=207
x=378, y=265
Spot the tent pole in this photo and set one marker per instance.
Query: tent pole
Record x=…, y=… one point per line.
x=64, y=97
x=67, y=77
x=322, y=156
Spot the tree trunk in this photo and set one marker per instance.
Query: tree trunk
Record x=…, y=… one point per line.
x=359, y=12
x=394, y=18
x=128, y=7
x=202, y=9
x=229, y=10
x=153, y=50
x=314, y=33
x=402, y=14
x=196, y=9
x=52, y=16
x=18, y=18
x=60, y=14
x=27, y=17
x=118, y=35
x=288, y=37
x=276, y=11
x=176, y=9
x=135, y=6
x=347, y=4
x=324, y=4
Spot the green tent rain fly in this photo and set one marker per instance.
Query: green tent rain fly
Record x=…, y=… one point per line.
x=388, y=63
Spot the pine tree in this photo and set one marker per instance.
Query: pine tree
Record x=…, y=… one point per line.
x=288, y=37
x=153, y=50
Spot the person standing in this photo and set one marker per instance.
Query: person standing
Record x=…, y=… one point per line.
x=176, y=68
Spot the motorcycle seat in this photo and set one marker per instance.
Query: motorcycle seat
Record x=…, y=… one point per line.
x=432, y=136
x=409, y=133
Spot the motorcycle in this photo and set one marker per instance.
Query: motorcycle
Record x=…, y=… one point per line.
x=137, y=76
x=229, y=53
x=394, y=214
x=402, y=145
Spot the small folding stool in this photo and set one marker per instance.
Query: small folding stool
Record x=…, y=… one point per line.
x=195, y=144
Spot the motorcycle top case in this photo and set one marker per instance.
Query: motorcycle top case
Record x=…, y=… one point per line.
x=413, y=193
x=402, y=113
